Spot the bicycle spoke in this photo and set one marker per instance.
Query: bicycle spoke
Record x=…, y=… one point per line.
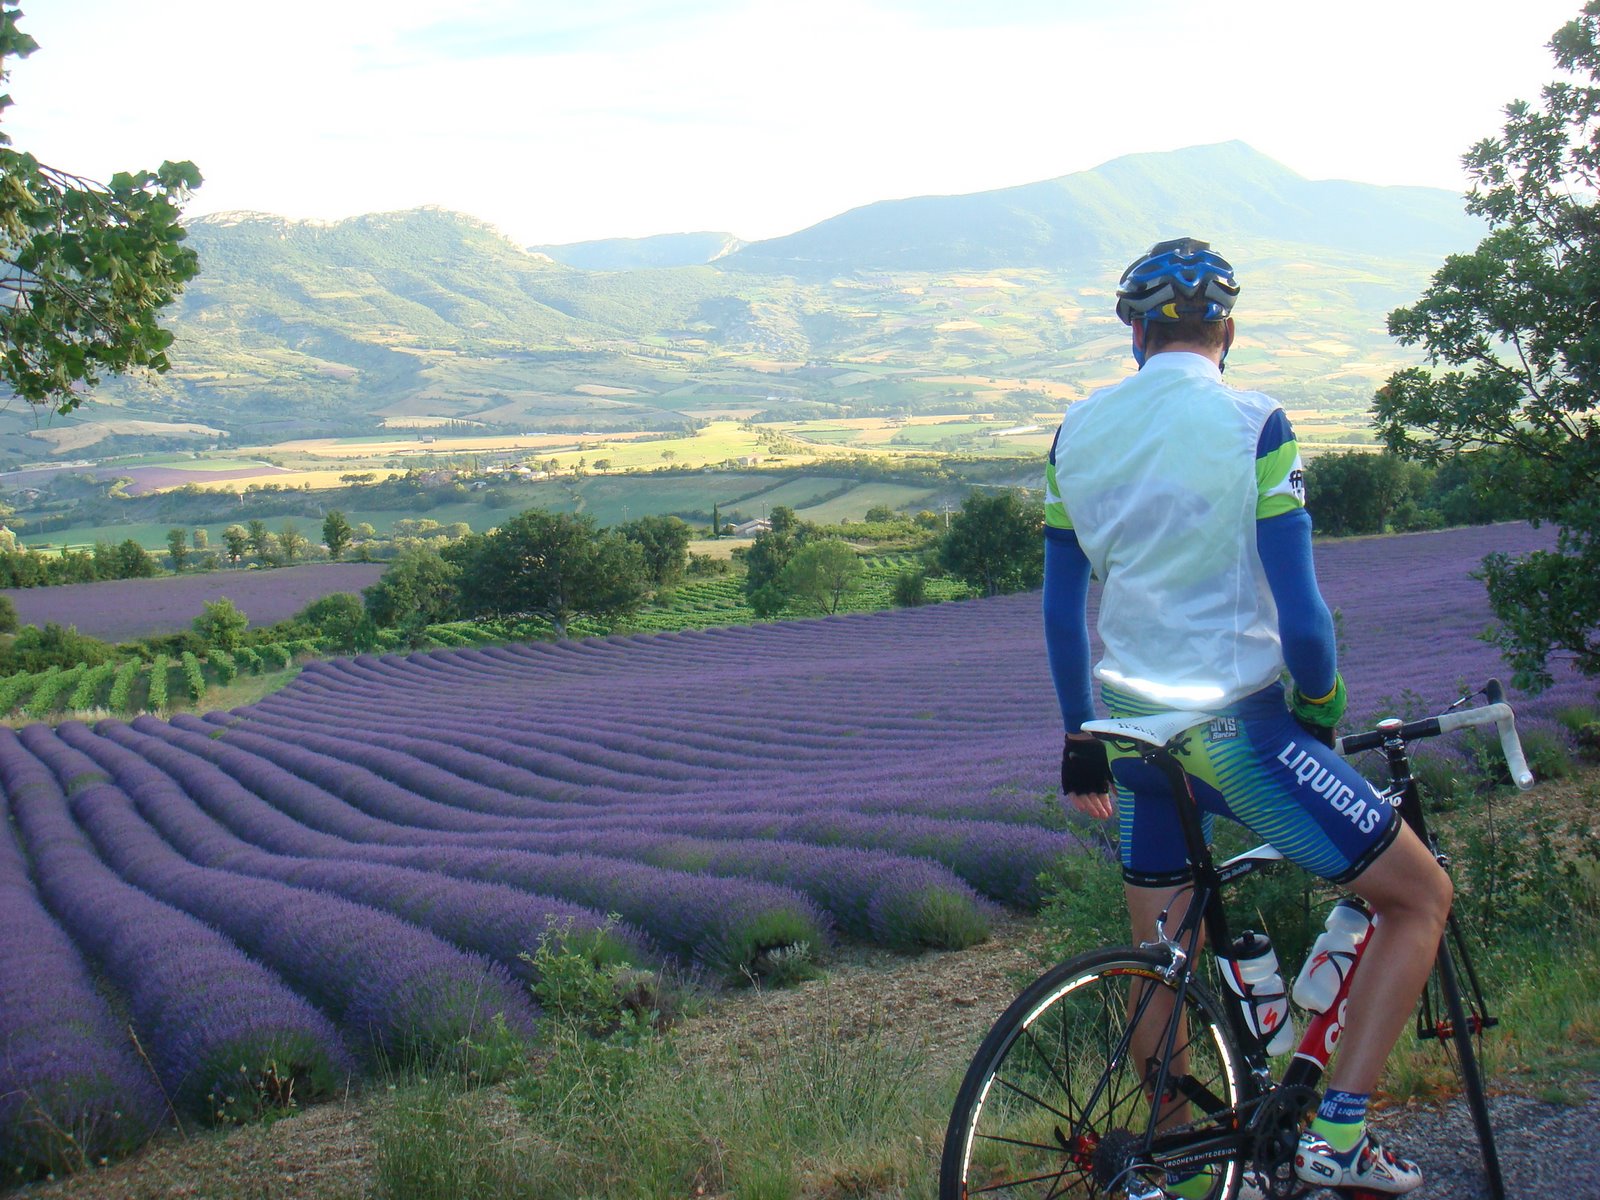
x=1065, y=1113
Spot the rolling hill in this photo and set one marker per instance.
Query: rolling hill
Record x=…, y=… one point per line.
x=935, y=304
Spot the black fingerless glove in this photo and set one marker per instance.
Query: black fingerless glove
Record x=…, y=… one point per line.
x=1085, y=767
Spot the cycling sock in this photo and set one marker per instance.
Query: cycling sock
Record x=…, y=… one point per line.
x=1341, y=1119
x=1195, y=1187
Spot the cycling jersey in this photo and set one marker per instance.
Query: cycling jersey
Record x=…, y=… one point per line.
x=1162, y=477
x=1186, y=499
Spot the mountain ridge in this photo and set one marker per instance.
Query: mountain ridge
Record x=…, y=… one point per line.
x=314, y=328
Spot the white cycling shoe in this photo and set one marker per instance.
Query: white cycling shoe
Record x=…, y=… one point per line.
x=1367, y=1165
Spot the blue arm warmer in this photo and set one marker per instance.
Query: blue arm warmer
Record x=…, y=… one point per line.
x=1305, y=625
x=1066, y=625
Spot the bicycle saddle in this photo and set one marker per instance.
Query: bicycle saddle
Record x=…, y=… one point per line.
x=1157, y=729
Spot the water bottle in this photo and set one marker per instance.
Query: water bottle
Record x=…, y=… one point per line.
x=1251, y=973
x=1331, y=958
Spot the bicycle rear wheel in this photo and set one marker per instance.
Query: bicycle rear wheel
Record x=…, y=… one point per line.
x=1055, y=1106
x=1457, y=1022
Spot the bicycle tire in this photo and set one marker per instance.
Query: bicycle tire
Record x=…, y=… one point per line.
x=1459, y=1042
x=1052, y=1060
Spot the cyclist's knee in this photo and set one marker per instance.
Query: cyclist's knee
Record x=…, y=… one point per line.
x=1406, y=883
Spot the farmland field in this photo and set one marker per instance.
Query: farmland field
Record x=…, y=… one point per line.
x=610, y=499
x=348, y=869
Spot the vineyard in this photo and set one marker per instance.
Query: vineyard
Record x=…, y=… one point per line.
x=347, y=873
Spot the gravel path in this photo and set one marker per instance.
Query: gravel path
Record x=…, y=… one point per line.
x=1546, y=1150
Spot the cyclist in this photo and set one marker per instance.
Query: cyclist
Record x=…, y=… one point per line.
x=1185, y=498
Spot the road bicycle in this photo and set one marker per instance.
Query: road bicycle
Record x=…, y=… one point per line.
x=1054, y=1105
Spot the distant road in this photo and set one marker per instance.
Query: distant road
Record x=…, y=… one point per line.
x=119, y=609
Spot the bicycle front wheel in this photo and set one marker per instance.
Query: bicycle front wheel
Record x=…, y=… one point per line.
x=1060, y=1101
x=1457, y=1021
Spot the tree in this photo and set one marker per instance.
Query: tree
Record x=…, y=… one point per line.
x=257, y=535
x=768, y=555
x=823, y=572
x=419, y=585
x=201, y=540
x=557, y=566
x=995, y=543
x=291, y=542
x=178, y=547
x=1513, y=351
x=132, y=562
x=221, y=624
x=237, y=541
x=1358, y=492
x=336, y=533
x=664, y=542
x=84, y=267
x=341, y=620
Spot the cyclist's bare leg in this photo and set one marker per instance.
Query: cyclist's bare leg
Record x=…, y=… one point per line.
x=1411, y=894
x=1145, y=906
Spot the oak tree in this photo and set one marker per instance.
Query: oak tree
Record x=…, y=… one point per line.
x=85, y=267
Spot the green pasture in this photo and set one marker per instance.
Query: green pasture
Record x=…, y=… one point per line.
x=152, y=535
x=853, y=505
x=805, y=492
x=610, y=499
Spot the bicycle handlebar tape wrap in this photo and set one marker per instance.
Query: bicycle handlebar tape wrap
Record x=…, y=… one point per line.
x=1085, y=767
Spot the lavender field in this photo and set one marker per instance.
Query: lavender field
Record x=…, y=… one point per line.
x=116, y=610
x=347, y=871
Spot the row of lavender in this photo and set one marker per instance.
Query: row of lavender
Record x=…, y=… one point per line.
x=350, y=869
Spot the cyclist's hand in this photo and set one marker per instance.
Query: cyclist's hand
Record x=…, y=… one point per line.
x=1086, y=775
x=1319, y=716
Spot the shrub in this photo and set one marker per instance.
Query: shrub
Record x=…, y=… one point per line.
x=274, y=656
x=707, y=564
x=339, y=619
x=8, y=615
x=89, y=686
x=194, y=679
x=156, y=694
x=583, y=979
x=173, y=645
x=221, y=624
x=248, y=658
x=121, y=698
x=36, y=649
x=223, y=666
x=13, y=688
x=911, y=589
x=55, y=681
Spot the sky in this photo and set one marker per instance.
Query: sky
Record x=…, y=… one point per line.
x=568, y=120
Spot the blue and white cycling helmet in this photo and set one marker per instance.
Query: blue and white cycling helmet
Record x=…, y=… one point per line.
x=1177, y=279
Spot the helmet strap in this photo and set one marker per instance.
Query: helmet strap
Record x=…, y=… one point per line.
x=1141, y=329
x=1227, y=344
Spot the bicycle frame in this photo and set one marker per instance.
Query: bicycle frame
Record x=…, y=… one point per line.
x=1206, y=909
